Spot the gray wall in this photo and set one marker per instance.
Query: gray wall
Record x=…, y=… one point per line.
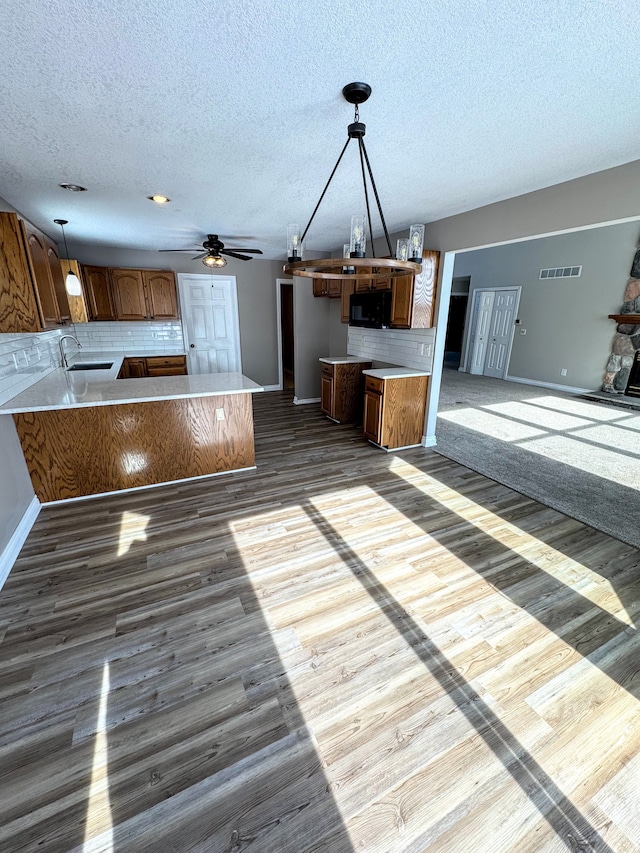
x=565, y=319
x=256, y=298
x=311, y=337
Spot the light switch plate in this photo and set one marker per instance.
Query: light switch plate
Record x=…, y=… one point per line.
x=219, y=414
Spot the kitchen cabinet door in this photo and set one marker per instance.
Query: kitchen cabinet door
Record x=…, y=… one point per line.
x=77, y=304
x=39, y=262
x=373, y=416
x=320, y=287
x=166, y=365
x=402, y=302
x=348, y=286
x=326, y=394
x=134, y=368
x=98, y=291
x=57, y=278
x=19, y=310
x=334, y=288
x=128, y=294
x=161, y=294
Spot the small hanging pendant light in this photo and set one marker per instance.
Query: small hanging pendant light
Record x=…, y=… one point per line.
x=71, y=282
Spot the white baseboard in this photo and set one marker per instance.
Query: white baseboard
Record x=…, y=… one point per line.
x=10, y=553
x=568, y=388
x=298, y=402
x=428, y=441
x=272, y=387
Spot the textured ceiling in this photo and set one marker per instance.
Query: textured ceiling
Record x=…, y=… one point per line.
x=234, y=110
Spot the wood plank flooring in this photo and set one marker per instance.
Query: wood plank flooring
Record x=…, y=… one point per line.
x=344, y=650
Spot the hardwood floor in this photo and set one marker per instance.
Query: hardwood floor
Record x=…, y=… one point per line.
x=345, y=650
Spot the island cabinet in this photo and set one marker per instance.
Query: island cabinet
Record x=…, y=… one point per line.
x=32, y=292
x=342, y=389
x=394, y=409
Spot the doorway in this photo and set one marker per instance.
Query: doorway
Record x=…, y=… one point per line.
x=493, y=319
x=210, y=325
x=285, y=334
x=456, y=321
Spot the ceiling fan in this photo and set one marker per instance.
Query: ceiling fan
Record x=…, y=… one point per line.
x=214, y=250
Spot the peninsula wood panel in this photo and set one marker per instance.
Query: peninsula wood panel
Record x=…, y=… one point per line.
x=85, y=451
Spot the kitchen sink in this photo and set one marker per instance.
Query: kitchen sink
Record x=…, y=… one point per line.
x=92, y=365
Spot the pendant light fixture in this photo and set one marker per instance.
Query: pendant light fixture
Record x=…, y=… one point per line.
x=71, y=282
x=363, y=268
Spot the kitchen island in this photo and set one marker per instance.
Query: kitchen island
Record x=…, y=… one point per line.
x=83, y=435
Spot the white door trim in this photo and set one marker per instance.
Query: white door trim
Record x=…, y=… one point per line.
x=280, y=281
x=468, y=330
x=233, y=291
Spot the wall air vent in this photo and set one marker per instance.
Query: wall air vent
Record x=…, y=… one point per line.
x=561, y=272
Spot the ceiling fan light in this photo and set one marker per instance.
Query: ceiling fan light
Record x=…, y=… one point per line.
x=214, y=261
x=72, y=284
x=159, y=199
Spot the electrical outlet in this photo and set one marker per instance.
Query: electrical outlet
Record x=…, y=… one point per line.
x=219, y=414
x=563, y=372
x=421, y=349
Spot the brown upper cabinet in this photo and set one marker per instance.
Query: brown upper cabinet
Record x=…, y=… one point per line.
x=128, y=294
x=98, y=293
x=327, y=287
x=32, y=293
x=161, y=294
x=42, y=255
x=413, y=297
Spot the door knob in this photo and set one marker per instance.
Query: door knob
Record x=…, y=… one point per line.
x=193, y=346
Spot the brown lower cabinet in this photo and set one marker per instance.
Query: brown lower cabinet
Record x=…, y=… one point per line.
x=342, y=387
x=394, y=410
x=153, y=365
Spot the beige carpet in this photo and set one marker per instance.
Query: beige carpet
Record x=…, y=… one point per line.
x=579, y=456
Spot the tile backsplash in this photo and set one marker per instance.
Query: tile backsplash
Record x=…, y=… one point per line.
x=161, y=337
x=26, y=358
x=403, y=347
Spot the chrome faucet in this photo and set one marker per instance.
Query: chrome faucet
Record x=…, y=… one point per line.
x=63, y=355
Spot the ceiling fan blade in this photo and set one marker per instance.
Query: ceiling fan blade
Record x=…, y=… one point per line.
x=236, y=255
x=247, y=251
x=177, y=250
x=198, y=257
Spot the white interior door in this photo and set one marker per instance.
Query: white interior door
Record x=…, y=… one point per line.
x=501, y=333
x=210, y=325
x=481, y=327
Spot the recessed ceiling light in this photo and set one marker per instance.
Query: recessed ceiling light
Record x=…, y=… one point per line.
x=159, y=199
x=74, y=188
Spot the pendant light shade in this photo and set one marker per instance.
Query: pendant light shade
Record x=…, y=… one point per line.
x=72, y=284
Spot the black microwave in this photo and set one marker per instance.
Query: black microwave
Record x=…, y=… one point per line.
x=371, y=309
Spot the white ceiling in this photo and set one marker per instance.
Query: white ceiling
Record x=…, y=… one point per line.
x=234, y=110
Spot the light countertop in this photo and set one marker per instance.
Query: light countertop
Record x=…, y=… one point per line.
x=395, y=372
x=62, y=389
x=344, y=359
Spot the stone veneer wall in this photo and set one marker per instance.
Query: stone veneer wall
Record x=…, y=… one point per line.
x=626, y=341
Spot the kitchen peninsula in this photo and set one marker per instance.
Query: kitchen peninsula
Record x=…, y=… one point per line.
x=82, y=434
